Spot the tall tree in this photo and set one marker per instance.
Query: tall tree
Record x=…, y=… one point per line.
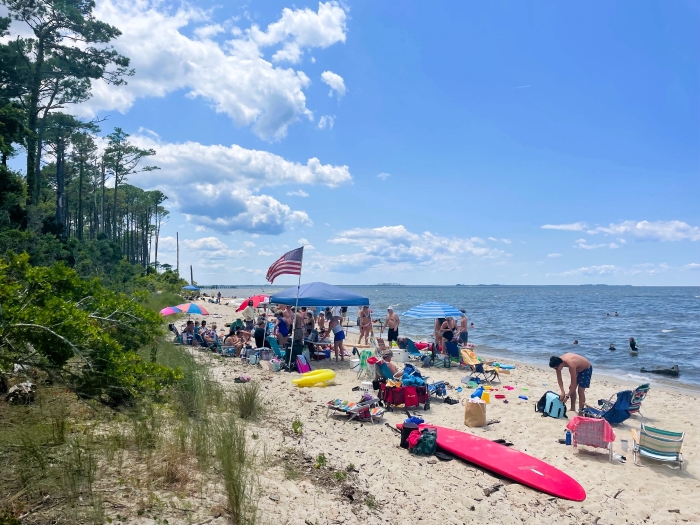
x=83, y=155
x=59, y=130
x=60, y=61
x=122, y=159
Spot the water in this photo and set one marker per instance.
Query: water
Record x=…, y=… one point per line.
x=531, y=323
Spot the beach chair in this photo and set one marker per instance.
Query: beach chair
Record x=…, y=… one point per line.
x=657, y=444
x=178, y=336
x=638, y=395
x=412, y=349
x=381, y=346
x=279, y=353
x=591, y=433
x=386, y=372
x=364, y=369
x=614, y=413
x=483, y=371
x=367, y=409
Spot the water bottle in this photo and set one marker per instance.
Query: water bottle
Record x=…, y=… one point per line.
x=568, y=437
x=477, y=392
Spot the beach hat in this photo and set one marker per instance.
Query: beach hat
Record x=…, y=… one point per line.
x=390, y=309
x=388, y=353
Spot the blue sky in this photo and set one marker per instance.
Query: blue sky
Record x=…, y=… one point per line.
x=450, y=142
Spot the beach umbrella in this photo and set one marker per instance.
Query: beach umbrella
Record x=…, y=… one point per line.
x=191, y=308
x=257, y=300
x=170, y=310
x=432, y=311
x=190, y=287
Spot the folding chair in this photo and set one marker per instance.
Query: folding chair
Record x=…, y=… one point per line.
x=412, y=349
x=482, y=371
x=657, y=444
x=279, y=353
x=364, y=369
x=592, y=433
x=614, y=413
x=638, y=395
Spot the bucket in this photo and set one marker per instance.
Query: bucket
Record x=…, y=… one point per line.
x=353, y=363
x=406, y=430
x=486, y=397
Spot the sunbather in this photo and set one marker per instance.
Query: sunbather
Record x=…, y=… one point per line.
x=387, y=356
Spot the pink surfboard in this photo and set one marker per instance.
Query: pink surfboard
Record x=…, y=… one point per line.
x=509, y=463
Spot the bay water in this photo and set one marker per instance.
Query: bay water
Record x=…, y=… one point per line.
x=532, y=323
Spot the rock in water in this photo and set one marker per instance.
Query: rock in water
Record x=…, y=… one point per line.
x=22, y=394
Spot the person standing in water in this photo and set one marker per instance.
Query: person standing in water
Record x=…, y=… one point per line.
x=633, y=345
x=463, y=329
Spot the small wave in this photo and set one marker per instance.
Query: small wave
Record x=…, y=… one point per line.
x=666, y=331
x=639, y=378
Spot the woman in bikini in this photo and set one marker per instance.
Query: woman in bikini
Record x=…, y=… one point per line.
x=365, y=325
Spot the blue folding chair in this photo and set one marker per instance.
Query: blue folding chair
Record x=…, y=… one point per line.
x=614, y=414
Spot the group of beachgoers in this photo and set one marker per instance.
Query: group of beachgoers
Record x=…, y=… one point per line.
x=632, y=345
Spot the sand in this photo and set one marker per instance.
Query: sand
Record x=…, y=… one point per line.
x=411, y=489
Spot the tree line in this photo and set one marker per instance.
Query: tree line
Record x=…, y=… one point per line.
x=75, y=184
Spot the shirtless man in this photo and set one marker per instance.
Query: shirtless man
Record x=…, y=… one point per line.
x=581, y=371
x=298, y=327
x=288, y=316
x=463, y=330
x=392, y=326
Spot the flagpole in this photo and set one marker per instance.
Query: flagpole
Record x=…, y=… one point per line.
x=296, y=308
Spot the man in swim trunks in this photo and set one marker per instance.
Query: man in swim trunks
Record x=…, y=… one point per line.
x=392, y=325
x=463, y=330
x=581, y=371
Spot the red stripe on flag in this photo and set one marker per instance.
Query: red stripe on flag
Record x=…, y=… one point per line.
x=288, y=264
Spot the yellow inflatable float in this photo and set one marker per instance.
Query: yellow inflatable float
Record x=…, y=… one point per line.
x=315, y=378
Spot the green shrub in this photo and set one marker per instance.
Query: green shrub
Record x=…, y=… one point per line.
x=247, y=401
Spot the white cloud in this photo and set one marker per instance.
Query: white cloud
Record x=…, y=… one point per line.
x=248, y=244
x=574, y=227
x=233, y=77
x=216, y=186
x=611, y=269
x=384, y=176
x=213, y=246
x=621, y=241
x=553, y=255
x=298, y=193
x=167, y=244
x=692, y=266
x=583, y=244
x=306, y=244
x=335, y=82
x=208, y=31
x=395, y=247
x=264, y=253
x=326, y=121
x=504, y=241
x=605, y=269
x=652, y=231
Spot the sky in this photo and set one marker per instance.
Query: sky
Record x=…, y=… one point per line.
x=418, y=142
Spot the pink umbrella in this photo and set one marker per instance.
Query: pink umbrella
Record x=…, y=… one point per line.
x=170, y=310
x=192, y=308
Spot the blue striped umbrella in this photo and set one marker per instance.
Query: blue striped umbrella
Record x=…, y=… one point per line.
x=432, y=311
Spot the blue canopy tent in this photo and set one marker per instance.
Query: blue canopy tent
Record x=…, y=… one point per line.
x=190, y=287
x=319, y=294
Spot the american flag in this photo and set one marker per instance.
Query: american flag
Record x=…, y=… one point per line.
x=289, y=263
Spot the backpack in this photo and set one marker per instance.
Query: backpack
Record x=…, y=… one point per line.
x=550, y=405
x=423, y=442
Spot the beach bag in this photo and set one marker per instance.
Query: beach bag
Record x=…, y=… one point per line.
x=474, y=412
x=410, y=397
x=275, y=365
x=550, y=405
x=423, y=442
x=302, y=365
x=253, y=359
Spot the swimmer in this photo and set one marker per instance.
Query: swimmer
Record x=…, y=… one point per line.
x=575, y=341
x=633, y=345
x=612, y=347
x=617, y=315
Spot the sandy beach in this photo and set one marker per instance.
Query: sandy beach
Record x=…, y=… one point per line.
x=409, y=489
